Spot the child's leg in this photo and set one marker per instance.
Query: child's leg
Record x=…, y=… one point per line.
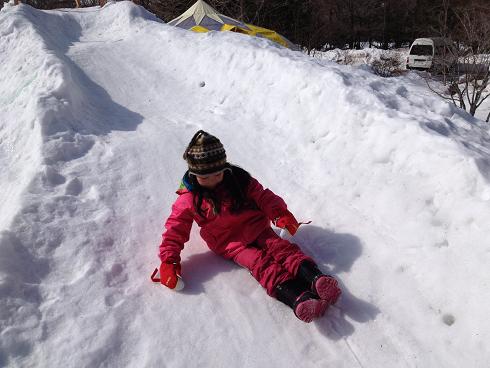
x=284, y=252
x=281, y=284
x=299, y=265
x=262, y=267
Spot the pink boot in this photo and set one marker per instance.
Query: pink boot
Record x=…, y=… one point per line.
x=308, y=307
x=325, y=286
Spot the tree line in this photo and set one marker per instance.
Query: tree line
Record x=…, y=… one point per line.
x=326, y=24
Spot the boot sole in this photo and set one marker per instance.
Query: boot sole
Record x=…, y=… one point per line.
x=327, y=289
x=311, y=309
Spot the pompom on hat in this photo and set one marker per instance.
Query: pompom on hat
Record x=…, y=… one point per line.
x=205, y=154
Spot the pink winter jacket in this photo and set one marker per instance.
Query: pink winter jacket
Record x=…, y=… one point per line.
x=225, y=233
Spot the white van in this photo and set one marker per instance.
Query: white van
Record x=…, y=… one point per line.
x=431, y=53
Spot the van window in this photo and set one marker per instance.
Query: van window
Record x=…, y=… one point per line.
x=423, y=50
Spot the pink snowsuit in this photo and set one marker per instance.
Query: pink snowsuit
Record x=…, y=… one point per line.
x=245, y=237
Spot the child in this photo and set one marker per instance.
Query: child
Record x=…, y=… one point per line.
x=234, y=212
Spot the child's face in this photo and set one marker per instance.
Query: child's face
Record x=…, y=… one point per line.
x=210, y=181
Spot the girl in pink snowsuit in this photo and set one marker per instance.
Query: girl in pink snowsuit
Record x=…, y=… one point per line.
x=234, y=213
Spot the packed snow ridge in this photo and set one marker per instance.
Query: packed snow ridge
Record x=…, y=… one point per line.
x=96, y=108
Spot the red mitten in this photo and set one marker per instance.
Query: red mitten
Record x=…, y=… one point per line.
x=288, y=222
x=169, y=273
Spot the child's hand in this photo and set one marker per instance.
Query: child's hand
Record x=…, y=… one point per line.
x=288, y=222
x=169, y=274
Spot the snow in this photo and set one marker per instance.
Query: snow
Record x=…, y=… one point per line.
x=360, y=57
x=96, y=108
x=367, y=56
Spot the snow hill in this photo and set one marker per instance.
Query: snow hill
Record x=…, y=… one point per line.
x=96, y=108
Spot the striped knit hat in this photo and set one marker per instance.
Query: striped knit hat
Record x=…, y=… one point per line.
x=205, y=154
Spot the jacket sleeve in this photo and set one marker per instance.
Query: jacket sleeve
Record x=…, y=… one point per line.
x=177, y=231
x=268, y=202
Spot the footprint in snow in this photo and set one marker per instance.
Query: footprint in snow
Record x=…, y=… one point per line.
x=448, y=319
x=442, y=244
x=116, y=275
x=74, y=187
x=52, y=178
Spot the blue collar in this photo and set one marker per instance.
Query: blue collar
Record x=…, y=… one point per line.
x=186, y=183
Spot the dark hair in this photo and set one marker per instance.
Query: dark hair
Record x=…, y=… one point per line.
x=235, y=181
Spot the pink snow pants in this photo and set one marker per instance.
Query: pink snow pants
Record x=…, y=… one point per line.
x=271, y=260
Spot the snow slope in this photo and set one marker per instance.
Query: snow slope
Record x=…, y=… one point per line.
x=368, y=56
x=96, y=108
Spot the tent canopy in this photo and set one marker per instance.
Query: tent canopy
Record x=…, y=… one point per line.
x=201, y=17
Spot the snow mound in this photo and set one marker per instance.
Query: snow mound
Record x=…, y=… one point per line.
x=360, y=57
x=96, y=107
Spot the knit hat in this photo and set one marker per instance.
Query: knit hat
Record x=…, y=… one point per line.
x=205, y=154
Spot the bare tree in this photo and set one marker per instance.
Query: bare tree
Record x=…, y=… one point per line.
x=475, y=31
x=465, y=68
